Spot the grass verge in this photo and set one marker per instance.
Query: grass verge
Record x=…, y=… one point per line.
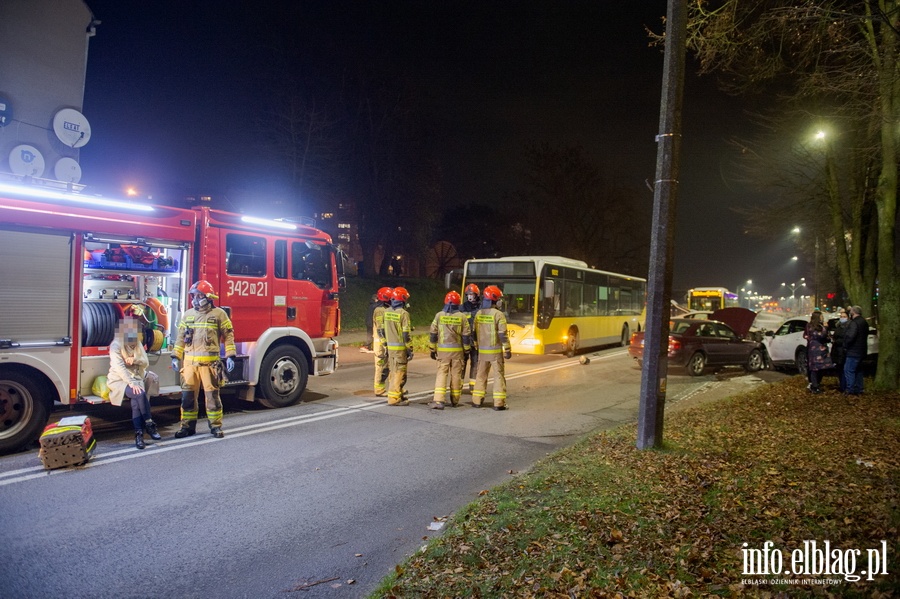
x=604, y=519
x=426, y=298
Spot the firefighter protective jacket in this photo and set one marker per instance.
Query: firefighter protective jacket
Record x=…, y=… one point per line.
x=378, y=321
x=397, y=330
x=490, y=333
x=450, y=335
x=199, y=336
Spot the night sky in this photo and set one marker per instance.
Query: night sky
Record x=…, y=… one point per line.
x=172, y=93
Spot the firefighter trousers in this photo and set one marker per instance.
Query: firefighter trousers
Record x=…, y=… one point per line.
x=449, y=371
x=193, y=376
x=381, y=366
x=481, y=381
x=470, y=360
x=397, y=378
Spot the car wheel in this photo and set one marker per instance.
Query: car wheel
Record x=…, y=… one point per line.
x=754, y=361
x=697, y=364
x=800, y=361
x=626, y=336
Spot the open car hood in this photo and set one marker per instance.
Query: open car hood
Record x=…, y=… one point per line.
x=739, y=319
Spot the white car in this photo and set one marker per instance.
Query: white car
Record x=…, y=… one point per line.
x=786, y=346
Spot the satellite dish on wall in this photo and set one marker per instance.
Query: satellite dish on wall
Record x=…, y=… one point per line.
x=68, y=170
x=71, y=127
x=26, y=160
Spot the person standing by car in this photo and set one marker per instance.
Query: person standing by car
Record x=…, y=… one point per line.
x=838, y=352
x=817, y=357
x=856, y=339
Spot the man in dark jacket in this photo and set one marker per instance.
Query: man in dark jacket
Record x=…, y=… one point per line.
x=856, y=338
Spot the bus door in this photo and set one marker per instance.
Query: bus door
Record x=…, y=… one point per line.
x=248, y=283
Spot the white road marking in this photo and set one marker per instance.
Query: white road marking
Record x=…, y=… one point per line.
x=118, y=455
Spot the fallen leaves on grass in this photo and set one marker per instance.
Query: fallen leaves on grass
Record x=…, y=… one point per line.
x=604, y=519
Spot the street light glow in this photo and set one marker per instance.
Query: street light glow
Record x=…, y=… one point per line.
x=820, y=135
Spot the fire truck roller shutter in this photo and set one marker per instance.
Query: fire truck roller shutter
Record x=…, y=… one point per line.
x=35, y=302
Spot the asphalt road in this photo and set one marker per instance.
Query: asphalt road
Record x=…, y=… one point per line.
x=321, y=499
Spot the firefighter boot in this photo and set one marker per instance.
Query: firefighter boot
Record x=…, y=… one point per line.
x=152, y=430
x=186, y=430
x=188, y=415
x=216, y=432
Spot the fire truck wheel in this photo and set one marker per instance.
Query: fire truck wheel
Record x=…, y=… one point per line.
x=282, y=377
x=24, y=409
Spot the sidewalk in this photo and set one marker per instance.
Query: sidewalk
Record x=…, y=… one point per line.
x=351, y=337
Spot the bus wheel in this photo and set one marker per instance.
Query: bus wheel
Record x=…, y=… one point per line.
x=572, y=342
x=24, y=409
x=282, y=377
x=626, y=336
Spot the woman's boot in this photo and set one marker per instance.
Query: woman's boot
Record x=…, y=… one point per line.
x=139, y=439
x=152, y=431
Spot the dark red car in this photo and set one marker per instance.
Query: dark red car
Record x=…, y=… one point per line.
x=698, y=344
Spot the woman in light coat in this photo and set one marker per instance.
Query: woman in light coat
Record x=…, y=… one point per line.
x=127, y=370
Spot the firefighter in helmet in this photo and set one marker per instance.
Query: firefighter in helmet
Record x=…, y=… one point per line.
x=450, y=339
x=379, y=345
x=197, y=349
x=396, y=333
x=493, y=348
x=471, y=305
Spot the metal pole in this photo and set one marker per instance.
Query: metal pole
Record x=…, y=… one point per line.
x=662, y=242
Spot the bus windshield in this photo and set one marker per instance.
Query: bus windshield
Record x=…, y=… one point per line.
x=518, y=298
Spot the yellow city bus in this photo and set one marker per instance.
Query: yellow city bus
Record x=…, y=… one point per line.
x=556, y=304
x=711, y=299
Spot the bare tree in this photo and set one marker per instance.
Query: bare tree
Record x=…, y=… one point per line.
x=573, y=211
x=837, y=53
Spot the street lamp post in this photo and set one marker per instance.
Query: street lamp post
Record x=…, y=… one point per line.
x=794, y=287
x=744, y=293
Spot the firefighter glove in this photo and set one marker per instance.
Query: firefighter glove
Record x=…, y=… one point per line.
x=229, y=364
x=175, y=364
x=409, y=354
x=433, y=355
x=507, y=355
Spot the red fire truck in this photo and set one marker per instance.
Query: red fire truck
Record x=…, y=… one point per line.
x=72, y=266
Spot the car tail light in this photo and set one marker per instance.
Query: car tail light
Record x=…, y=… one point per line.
x=674, y=344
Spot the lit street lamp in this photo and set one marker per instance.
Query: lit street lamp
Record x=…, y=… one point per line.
x=794, y=287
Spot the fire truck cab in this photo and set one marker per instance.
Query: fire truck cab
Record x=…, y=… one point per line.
x=73, y=267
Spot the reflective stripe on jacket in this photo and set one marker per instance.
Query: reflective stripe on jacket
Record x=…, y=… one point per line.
x=200, y=335
x=450, y=334
x=397, y=329
x=490, y=333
